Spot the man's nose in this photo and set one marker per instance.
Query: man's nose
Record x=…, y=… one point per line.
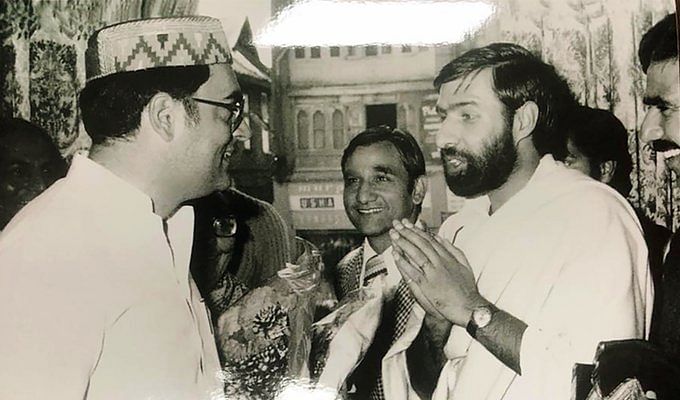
x=651, y=126
x=243, y=132
x=447, y=134
x=365, y=192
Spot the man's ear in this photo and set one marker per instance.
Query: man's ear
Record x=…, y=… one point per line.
x=607, y=170
x=524, y=121
x=419, y=189
x=161, y=113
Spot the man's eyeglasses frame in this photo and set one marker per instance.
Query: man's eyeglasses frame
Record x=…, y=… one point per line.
x=236, y=109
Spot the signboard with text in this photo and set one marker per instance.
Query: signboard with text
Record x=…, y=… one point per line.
x=318, y=206
x=430, y=125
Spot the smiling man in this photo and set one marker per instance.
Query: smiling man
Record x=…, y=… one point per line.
x=542, y=262
x=661, y=130
x=384, y=175
x=97, y=299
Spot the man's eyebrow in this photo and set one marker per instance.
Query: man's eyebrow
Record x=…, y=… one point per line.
x=384, y=169
x=456, y=105
x=235, y=95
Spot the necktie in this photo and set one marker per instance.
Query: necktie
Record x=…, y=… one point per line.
x=375, y=266
x=402, y=304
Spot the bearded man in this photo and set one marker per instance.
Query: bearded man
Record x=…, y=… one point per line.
x=541, y=264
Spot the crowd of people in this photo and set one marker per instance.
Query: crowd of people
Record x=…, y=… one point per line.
x=104, y=268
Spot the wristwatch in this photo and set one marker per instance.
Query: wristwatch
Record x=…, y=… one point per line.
x=480, y=318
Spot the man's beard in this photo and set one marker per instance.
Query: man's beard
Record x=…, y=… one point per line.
x=482, y=173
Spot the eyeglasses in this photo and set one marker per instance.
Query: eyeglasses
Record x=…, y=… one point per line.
x=235, y=108
x=224, y=226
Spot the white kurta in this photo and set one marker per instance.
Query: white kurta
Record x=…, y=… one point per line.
x=96, y=301
x=566, y=256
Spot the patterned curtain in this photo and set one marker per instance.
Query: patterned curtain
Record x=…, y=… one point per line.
x=594, y=44
x=42, y=57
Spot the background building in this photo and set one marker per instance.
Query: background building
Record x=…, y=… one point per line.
x=252, y=164
x=326, y=95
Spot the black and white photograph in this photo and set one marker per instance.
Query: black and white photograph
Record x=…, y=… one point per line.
x=339, y=200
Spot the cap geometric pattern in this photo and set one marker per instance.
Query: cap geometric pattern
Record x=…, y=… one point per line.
x=158, y=42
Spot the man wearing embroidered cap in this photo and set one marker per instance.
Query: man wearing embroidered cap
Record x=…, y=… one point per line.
x=99, y=304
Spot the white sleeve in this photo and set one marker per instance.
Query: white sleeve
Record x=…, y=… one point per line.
x=48, y=342
x=602, y=292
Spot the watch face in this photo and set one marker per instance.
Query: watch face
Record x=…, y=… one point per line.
x=481, y=316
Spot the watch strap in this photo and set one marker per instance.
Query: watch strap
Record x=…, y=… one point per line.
x=471, y=328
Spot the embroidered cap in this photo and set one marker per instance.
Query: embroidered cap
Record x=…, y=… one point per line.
x=157, y=42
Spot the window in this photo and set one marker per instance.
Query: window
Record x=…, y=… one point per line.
x=319, y=130
x=350, y=50
x=303, y=130
x=299, y=52
x=247, y=106
x=381, y=114
x=335, y=51
x=372, y=50
x=387, y=49
x=316, y=52
x=405, y=48
x=338, y=130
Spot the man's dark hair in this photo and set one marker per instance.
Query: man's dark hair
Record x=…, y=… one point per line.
x=659, y=43
x=518, y=77
x=407, y=147
x=601, y=137
x=12, y=125
x=112, y=106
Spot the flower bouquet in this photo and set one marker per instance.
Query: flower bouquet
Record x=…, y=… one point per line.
x=263, y=338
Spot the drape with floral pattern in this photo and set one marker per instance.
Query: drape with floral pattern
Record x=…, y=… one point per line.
x=42, y=57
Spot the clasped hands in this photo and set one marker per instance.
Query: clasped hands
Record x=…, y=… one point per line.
x=438, y=273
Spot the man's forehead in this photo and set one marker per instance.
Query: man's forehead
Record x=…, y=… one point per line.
x=663, y=80
x=468, y=86
x=221, y=83
x=378, y=153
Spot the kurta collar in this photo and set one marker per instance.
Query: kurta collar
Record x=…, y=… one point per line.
x=547, y=166
x=106, y=185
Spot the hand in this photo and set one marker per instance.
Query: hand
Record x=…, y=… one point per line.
x=437, y=273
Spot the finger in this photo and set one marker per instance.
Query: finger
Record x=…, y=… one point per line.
x=413, y=281
x=420, y=242
x=409, y=271
x=455, y=251
x=406, y=247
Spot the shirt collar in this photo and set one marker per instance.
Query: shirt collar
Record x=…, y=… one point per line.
x=370, y=252
x=98, y=180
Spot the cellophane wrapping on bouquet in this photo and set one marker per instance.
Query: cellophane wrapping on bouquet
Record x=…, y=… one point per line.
x=263, y=338
x=341, y=339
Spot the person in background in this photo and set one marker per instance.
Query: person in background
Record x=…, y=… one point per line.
x=661, y=130
x=29, y=163
x=655, y=364
x=384, y=179
x=542, y=262
x=239, y=243
x=97, y=298
x=597, y=145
